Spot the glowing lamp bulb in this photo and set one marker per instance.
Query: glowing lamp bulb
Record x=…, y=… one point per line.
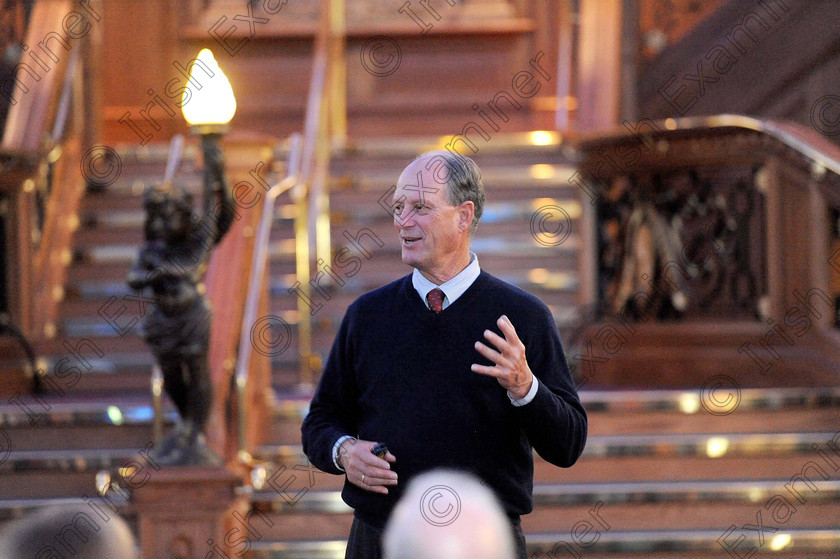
x=208, y=100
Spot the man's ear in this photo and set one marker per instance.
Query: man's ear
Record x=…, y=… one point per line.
x=466, y=211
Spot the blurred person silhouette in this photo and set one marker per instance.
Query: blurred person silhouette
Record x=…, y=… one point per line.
x=446, y=513
x=60, y=531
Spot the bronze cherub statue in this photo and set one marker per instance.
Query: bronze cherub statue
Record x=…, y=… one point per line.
x=172, y=263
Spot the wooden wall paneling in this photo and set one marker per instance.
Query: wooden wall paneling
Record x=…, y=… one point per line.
x=139, y=47
x=552, y=35
x=630, y=40
x=441, y=74
x=439, y=81
x=270, y=80
x=599, y=64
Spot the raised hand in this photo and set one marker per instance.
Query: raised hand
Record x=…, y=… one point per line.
x=511, y=368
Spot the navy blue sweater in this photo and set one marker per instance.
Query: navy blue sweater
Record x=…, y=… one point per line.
x=400, y=374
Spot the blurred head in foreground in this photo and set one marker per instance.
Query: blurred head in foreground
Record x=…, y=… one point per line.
x=449, y=514
x=67, y=531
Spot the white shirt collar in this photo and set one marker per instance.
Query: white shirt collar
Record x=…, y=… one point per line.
x=453, y=288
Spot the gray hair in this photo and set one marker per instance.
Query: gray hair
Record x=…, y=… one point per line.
x=462, y=178
x=469, y=522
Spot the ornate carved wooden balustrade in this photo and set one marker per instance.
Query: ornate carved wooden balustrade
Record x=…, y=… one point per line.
x=712, y=251
x=46, y=144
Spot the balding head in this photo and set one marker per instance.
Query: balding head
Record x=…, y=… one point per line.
x=67, y=531
x=448, y=514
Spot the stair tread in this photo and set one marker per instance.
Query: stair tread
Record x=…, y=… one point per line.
x=655, y=445
x=636, y=542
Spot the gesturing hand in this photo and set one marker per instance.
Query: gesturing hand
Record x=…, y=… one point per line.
x=364, y=469
x=511, y=368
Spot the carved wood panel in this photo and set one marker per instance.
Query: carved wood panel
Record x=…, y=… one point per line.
x=683, y=244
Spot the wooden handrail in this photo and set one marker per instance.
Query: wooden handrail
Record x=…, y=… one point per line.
x=255, y=286
x=42, y=144
x=803, y=140
x=35, y=101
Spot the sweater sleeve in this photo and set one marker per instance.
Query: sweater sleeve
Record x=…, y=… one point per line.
x=555, y=420
x=333, y=412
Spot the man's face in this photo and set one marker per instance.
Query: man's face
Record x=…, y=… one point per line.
x=433, y=233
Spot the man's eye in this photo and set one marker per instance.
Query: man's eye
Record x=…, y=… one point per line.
x=398, y=208
x=421, y=208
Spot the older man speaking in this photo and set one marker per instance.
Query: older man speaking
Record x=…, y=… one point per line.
x=448, y=367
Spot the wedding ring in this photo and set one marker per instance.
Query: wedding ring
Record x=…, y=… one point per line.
x=363, y=479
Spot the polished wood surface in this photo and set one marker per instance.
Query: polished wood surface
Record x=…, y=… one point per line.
x=797, y=176
x=35, y=137
x=185, y=513
x=227, y=281
x=269, y=68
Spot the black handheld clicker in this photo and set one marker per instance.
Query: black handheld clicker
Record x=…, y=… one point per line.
x=379, y=449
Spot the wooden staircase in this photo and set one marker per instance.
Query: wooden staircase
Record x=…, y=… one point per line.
x=665, y=473
x=660, y=477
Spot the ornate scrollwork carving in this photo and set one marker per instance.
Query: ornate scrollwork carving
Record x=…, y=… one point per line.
x=682, y=244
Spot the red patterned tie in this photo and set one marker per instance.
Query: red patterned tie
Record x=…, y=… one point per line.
x=435, y=298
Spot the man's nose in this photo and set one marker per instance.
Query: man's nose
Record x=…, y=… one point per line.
x=404, y=219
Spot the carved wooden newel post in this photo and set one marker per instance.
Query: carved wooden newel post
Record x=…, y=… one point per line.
x=186, y=512
x=188, y=504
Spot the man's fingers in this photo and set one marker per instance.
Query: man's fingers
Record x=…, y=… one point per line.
x=377, y=462
x=379, y=478
x=490, y=353
x=485, y=370
x=506, y=326
x=374, y=484
x=368, y=471
x=376, y=481
x=382, y=473
x=495, y=339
